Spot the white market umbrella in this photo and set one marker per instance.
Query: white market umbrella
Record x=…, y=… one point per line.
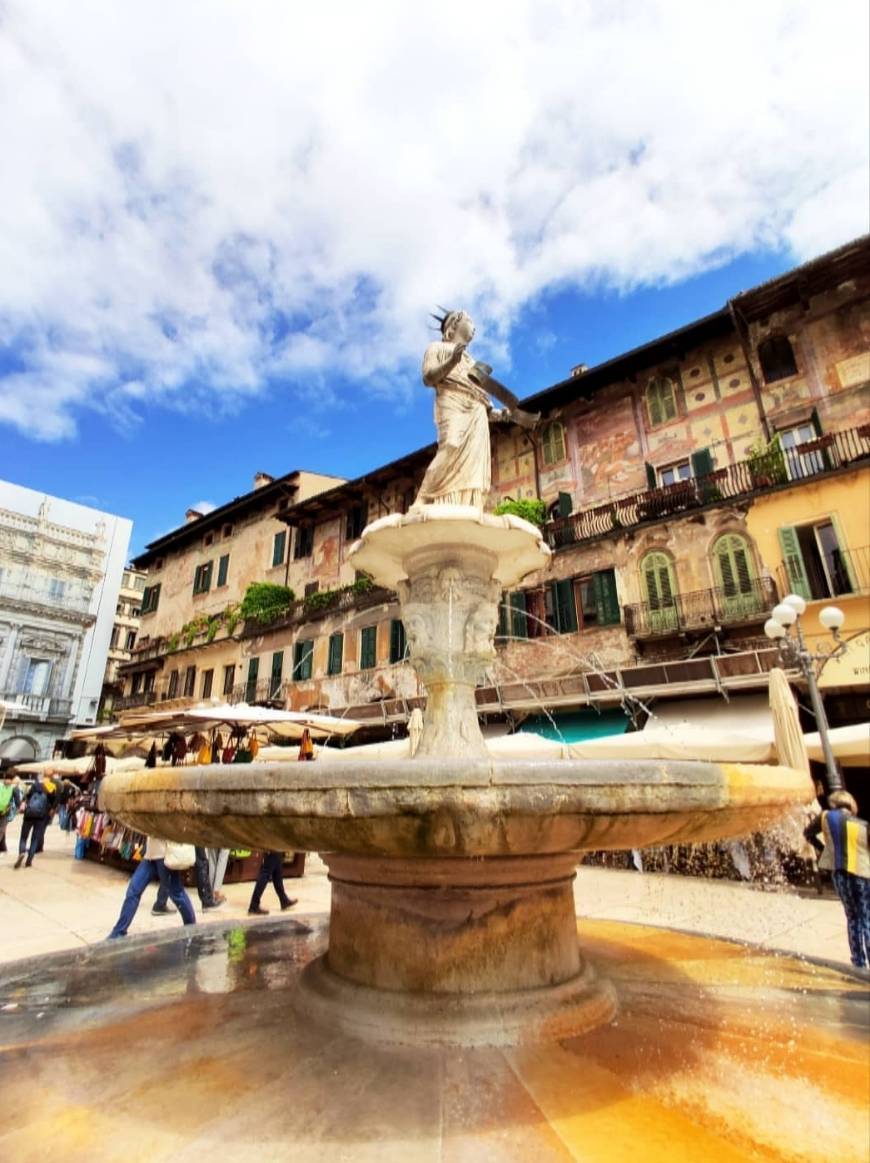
x=287, y=724
x=851, y=745
x=791, y=749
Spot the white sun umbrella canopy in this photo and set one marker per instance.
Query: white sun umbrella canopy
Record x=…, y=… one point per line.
x=791, y=749
x=286, y=724
x=850, y=745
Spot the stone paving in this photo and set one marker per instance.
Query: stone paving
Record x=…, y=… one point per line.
x=61, y=903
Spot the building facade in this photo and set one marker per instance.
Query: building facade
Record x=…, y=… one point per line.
x=125, y=631
x=687, y=485
x=60, y=573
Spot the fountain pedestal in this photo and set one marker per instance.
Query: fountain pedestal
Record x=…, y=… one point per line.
x=457, y=951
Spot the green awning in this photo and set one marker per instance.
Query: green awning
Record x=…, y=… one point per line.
x=577, y=726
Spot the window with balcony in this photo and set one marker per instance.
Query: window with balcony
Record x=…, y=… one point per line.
x=202, y=578
x=368, y=640
x=801, y=464
x=661, y=400
x=36, y=676
x=672, y=474
x=303, y=659
x=553, y=443
x=172, y=690
x=816, y=564
x=336, y=654
x=659, y=587
x=279, y=547
x=776, y=357
x=734, y=571
x=131, y=640
x=561, y=609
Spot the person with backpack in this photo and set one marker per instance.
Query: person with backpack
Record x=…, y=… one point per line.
x=10, y=798
x=38, y=806
x=843, y=839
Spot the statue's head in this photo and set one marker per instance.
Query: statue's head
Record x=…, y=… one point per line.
x=456, y=326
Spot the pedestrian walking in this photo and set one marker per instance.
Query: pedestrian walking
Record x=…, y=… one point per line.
x=207, y=898
x=152, y=865
x=845, y=853
x=10, y=798
x=38, y=806
x=271, y=868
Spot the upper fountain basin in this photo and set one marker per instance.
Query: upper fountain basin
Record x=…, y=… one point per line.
x=454, y=808
x=515, y=547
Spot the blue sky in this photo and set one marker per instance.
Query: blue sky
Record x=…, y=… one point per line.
x=224, y=225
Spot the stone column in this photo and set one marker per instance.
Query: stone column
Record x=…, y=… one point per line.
x=450, y=613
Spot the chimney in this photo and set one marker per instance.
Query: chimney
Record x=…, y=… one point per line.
x=192, y=515
x=261, y=479
x=579, y=370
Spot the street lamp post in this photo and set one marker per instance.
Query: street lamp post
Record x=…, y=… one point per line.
x=794, y=652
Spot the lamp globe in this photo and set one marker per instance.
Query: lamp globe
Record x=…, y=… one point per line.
x=832, y=617
x=784, y=614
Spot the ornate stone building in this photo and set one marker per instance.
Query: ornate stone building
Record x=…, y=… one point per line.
x=687, y=484
x=60, y=570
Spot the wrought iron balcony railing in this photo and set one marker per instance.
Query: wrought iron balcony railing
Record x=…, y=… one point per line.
x=699, y=609
x=825, y=454
x=140, y=699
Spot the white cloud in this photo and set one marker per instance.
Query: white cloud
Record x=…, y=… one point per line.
x=201, y=197
x=203, y=507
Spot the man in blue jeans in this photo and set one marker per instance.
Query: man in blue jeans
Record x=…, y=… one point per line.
x=38, y=806
x=150, y=867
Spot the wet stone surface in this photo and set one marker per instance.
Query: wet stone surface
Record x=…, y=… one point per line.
x=180, y=1047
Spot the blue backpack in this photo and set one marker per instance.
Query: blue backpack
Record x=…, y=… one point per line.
x=37, y=804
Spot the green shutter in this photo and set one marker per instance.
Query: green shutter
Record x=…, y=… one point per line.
x=503, y=612
x=794, y=561
x=702, y=463
x=651, y=478
x=397, y=640
x=566, y=505
x=336, y=653
x=277, y=673
x=368, y=647
x=223, y=569
x=278, y=546
x=519, y=622
x=564, y=608
x=606, y=599
x=303, y=654
x=251, y=684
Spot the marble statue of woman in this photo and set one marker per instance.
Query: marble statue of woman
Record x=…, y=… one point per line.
x=460, y=473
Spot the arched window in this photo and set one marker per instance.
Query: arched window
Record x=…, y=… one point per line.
x=739, y=592
x=553, y=443
x=660, y=589
x=776, y=358
x=661, y=400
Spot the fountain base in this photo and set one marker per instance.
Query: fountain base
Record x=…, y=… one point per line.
x=455, y=951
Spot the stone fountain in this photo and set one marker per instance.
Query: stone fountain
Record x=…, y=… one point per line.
x=452, y=916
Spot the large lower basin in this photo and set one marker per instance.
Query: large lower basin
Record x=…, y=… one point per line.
x=427, y=808
x=452, y=916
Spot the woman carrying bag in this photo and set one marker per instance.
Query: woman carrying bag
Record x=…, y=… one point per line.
x=161, y=859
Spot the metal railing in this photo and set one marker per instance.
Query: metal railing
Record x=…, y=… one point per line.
x=302, y=611
x=140, y=699
x=825, y=454
x=44, y=706
x=829, y=575
x=700, y=609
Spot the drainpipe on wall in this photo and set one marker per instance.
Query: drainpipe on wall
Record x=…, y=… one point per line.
x=743, y=339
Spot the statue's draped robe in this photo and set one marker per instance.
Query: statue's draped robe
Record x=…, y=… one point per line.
x=460, y=473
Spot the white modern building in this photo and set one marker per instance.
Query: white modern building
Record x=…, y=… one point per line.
x=61, y=566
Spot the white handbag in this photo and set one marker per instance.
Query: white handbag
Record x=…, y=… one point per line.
x=179, y=857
